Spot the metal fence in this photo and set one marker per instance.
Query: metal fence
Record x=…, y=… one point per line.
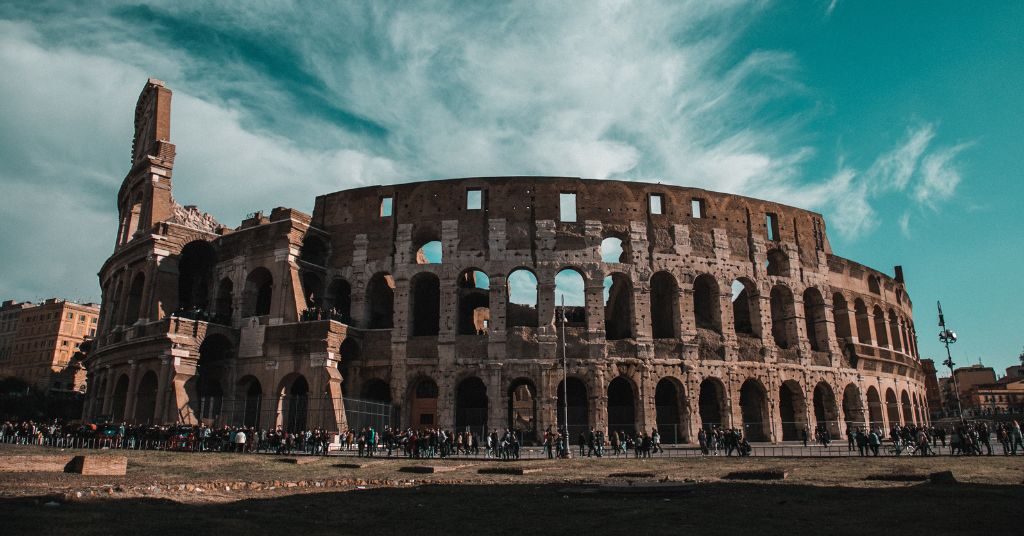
x=290, y=413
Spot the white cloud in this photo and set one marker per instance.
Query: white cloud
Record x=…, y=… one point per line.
x=939, y=176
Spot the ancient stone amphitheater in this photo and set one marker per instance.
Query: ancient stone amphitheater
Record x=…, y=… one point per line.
x=434, y=304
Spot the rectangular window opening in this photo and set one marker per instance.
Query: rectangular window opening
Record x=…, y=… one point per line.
x=385, y=207
x=657, y=204
x=567, y=206
x=697, y=208
x=474, y=199
x=772, y=225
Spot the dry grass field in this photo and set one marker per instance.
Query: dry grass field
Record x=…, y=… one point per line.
x=165, y=493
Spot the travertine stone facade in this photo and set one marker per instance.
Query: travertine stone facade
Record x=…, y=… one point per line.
x=720, y=310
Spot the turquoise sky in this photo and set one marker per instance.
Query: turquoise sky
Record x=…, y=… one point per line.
x=899, y=121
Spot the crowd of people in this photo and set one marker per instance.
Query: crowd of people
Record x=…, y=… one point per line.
x=967, y=439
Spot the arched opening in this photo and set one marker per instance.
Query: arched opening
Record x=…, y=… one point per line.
x=826, y=412
x=252, y=399
x=522, y=407
x=908, y=409
x=376, y=390
x=815, y=321
x=312, y=290
x=664, y=306
x=474, y=302
x=429, y=253
x=258, y=294
x=711, y=403
x=841, y=314
x=881, y=336
x=783, y=317
x=521, y=299
x=707, y=308
x=621, y=406
x=425, y=294
x=612, y=251
x=875, y=409
x=224, y=310
x=792, y=410
x=894, y=328
x=380, y=301
x=423, y=404
x=569, y=291
x=892, y=407
x=754, y=409
x=471, y=406
x=575, y=392
x=145, y=399
x=195, y=275
x=746, y=310
x=120, y=399
x=670, y=411
x=853, y=411
x=874, y=285
x=212, y=370
x=134, y=307
x=863, y=323
x=295, y=403
x=314, y=250
x=777, y=263
x=618, y=307
x=339, y=301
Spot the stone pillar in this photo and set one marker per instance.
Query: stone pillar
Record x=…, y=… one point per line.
x=133, y=378
x=594, y=303
x=497, y=302
x=645, y=399
x=108, y=399
x=163, y=379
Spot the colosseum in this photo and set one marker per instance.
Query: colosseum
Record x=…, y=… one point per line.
x=463, y=304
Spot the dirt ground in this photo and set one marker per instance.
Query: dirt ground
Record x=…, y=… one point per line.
x=227, y=493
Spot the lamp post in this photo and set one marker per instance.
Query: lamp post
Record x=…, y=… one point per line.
x=947, y=337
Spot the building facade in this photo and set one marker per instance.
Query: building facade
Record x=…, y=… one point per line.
x=684, y=308
x=45, y=340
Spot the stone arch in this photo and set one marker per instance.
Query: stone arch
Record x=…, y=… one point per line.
x=671, y=411
x=570, y=286
x=312, y=289
x=894, y=328
x=195, y=275
x=784, y=330
x=664, y=306
x=258, y=295
x=212, y=371
x=853, y=410
x=522, y=406
x=250, y=391
x=521, y=298
x=815, y=321
x=860, y=310
x=613, y=250
x=376, y=390
x=380, y=301
x=294, y=393
x=349, y=351
x=575, y=392
x=754, y=410
x=892, y=407
x=225, y=309
x=746, y=308
x=841, y=314
x=874, y=284
x=133, y=309
x=908, y=409
x=618, y=307
x=315, y=250
x=120, y=399
x=471, y=404
x=423, y=402
x=145, y=399
x=792, y=410
x=777, y=262
x=339, y=300
x=826, y=411
x=881, y=337
x=711, y=403
x=474, y=302
x=622, y=406
x=707, y=307
x=425, y=304
x=875, y=419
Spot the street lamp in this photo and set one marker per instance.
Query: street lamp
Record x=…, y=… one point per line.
x=947, y=337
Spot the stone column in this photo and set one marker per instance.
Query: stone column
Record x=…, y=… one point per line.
x=133, y=378
x=108, y=399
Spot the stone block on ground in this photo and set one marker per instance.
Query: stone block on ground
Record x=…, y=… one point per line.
x=33, y=464
x=98, y=465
